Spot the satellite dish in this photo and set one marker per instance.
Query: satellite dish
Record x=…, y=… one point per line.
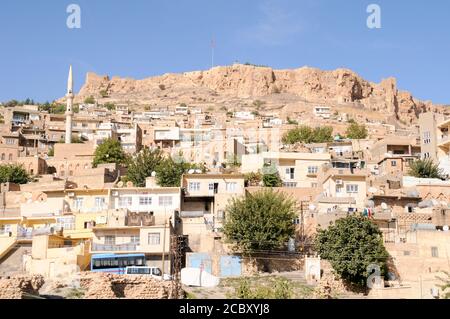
x=312, y=207
x=191, y=171
x=120, y=184
x=384, y=206
x=129, y=184
x=445, y=228
x=372, y=190
x=153, y=174
x=198, y=171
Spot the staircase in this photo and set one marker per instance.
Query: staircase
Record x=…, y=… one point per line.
x=11, y=262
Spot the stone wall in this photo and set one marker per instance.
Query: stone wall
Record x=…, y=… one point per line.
x=17, y=287
x=109, y=286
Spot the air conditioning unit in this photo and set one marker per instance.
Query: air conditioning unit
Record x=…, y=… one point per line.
x=339, y=182
x=71, y=194
x=115, y=193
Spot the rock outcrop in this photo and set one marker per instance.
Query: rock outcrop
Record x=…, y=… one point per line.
x=341, y=86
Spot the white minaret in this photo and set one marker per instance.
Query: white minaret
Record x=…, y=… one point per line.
x=69, y=111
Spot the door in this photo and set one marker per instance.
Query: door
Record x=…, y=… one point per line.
x=230, y=266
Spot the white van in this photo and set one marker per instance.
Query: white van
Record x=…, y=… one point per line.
x=146, y=270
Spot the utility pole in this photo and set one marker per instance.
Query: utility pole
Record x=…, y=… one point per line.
x=164, y=245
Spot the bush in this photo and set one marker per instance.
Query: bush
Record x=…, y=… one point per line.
x=89, y=100
x=278, y=288
x=162, y=87
x=425, y=168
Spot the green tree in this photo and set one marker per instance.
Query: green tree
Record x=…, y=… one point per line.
x=142, y=165
x=260, y=221
x=445, y=285
x=306, y=134
x=89, y=100
x=271, y=177
x=170, y=170
x=351, y=245
x=425, y=168
x=356, y=131
x=110, y=151
x=13, y=173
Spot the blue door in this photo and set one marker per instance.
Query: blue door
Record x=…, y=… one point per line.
x=202, y=261
x=230, y=266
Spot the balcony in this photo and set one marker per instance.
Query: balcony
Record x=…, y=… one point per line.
x=112, y=247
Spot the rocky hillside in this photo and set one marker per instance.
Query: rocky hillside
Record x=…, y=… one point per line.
x=239, y=84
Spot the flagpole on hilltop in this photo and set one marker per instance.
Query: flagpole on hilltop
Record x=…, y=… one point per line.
x=213, y=46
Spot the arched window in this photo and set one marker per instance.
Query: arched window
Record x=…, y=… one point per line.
x=3, y=156
x=10, y=157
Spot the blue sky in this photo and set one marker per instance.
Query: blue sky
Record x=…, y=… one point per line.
x=141, y=38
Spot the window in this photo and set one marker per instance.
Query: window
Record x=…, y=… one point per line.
x=78, y=203
x=125, y=202
x=313, y=169
x=352, y=188
x=231, y=187
x=145, y=200
x=100, y=202
x=434, y=252
x=211, y=186
x=165, y=201
x=194, y=186
x=393, y=163
x=3, y=156
x=10, y=141
x=10, y=157
x=154, y=238
x=338, y=189
x=426, y=155
x=314, y=185
x=110, y=240
x=66, y=222
x=290, y=173
x=135, y=240
x=406, y=253
x=290, y=184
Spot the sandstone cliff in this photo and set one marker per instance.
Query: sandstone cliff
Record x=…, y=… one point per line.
x=244, y=82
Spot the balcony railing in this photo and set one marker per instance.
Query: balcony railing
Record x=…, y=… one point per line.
x=111, y=247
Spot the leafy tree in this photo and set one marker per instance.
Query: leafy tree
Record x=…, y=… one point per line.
x=51, y=152
x=356, y=131
x=13, y=173
x=142, y=165
x=110, y=151
x=89, y=100
x=351, y=245
x=445, y=285
x=306, y=134
x=260, y=221
x=271, y=177
x=169, y=171
x=425, y=168
x=74, y=140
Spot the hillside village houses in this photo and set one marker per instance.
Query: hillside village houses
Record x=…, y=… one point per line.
x=73, y=210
